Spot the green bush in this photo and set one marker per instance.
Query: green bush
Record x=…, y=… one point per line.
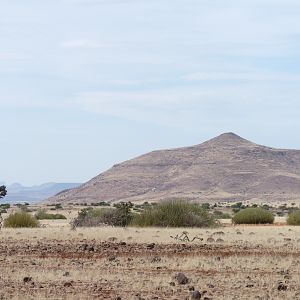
x=5, y=205
x=21, y=219
x=102, y=203
x=175, y=213
x=255, y=215
x=205, y=205
x=58, y=206
x=220, y=215
x=119, y=216
x=43, y=215
x=239, y=205
x=294, y=218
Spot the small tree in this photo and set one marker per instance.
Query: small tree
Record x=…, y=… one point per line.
x=3, y=191
x=123, y=215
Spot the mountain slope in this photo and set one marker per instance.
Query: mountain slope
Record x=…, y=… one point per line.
x=227, y=167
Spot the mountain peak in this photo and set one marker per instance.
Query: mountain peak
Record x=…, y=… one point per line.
x=230, y=138
x=230, y=135
x=226, y=168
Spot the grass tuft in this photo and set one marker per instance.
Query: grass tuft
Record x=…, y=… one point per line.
x=43, y=215
x=294, y=218
x=21, y=219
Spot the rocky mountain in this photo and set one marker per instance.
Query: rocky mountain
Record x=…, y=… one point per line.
x=18, y=193
x=226, y=168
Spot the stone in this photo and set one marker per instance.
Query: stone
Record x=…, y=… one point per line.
x=27, y=279
x=196, y=295
x=68, y=284
x=281, y=287
x=181, y=278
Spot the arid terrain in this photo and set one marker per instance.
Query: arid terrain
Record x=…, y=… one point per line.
x=232, y=262
x=226, y=168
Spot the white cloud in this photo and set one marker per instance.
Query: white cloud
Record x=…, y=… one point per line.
x=183, y=106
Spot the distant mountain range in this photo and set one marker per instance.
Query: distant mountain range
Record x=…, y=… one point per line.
x=19, y=193
x=225, y=168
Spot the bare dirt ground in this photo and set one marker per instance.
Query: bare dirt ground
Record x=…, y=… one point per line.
x=245, y=262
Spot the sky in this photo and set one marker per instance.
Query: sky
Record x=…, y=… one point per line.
x=85, y=84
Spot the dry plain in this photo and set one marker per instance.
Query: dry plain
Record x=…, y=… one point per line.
x=231, y=262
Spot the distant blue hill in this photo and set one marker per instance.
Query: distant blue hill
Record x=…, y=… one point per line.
x=16, y=193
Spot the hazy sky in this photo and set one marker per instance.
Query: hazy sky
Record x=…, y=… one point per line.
x=85, y=84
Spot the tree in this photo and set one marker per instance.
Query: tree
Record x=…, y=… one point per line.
x=3, y=191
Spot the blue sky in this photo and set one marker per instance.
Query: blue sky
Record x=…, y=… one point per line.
x=85, y=84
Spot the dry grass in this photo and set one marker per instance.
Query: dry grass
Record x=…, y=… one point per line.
x=247, y=262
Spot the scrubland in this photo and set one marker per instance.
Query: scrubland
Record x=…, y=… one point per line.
x=231, y=262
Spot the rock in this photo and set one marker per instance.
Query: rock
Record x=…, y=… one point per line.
x=196, y=295
x=281, y=287
x=27, y=279
x=181, y=278
x=218, y=233
x=210, y=240
x=151, y=246
x=66, y=274
x=111, y=258
x=191, y=288
x=68, y=284
x=172, y=283
x=83, y=247
x=155, y=259
x=219, y=241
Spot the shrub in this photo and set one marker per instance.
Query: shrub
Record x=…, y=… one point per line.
x=253, y=216
x=43, y=215
x=102, y=203
x=294, y=218
x=205, y=205
x=220, y=215
x=119, y=216
x=21, y=219
x=58, y=206
x=175, y=213
x=5, y=205
x=238, y=205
